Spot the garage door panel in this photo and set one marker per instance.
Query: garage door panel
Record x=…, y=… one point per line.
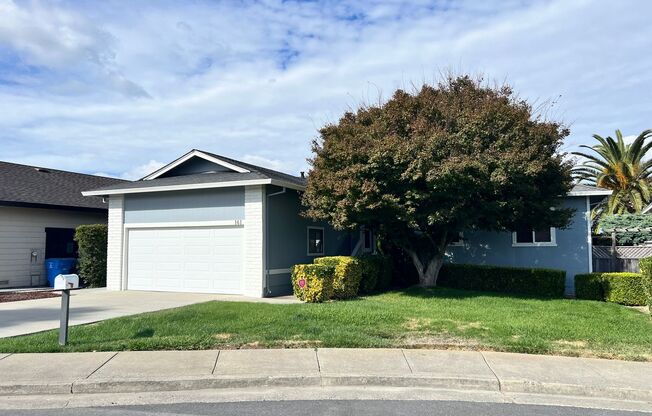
x=186, y=259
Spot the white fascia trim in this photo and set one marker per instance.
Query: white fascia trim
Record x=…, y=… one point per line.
x=182, y=224
x=189, y=155
x=185, y=187
x=603, y=192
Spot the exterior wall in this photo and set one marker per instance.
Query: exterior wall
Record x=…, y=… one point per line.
x=286, y=239
x=198, y=205
x=254, y=240
x=115, y=243
x=22, y=230
x=572, y=252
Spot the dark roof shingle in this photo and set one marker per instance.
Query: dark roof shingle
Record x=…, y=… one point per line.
x=27, y=185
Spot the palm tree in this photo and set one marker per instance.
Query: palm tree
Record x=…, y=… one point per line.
x=619, y=167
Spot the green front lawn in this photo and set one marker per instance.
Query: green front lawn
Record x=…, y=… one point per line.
x=417, y=318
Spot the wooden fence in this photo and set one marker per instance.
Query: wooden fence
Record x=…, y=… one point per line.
x=619, y=258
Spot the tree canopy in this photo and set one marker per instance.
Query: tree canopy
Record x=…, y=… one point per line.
x=620, y=167
x=427, y=164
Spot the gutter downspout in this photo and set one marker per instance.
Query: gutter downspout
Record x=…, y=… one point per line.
x=266, y=254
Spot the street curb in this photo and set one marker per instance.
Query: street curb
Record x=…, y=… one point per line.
x=190, y=383
x=27, y=389
x=87, y=386
x=529, y=386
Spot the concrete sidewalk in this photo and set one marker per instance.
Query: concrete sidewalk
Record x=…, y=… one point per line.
x=149, y=371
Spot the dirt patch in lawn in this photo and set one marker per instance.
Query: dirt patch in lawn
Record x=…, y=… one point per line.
x=417, y=324
x=16, y=296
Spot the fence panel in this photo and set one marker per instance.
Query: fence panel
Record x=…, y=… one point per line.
x=625, y=260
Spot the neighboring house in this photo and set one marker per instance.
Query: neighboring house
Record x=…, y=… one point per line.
x=566, y=249
x=39, y=211
x=207, y=223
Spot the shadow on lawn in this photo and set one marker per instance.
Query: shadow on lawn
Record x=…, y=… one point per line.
x=449, y=293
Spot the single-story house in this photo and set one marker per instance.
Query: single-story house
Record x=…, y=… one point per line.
x=208, y=223
x=568, y=249
x=39, y=211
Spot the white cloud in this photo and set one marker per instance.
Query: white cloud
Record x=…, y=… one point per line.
x=256, y=80
x=142, y=170
x=274, y=164
x=61, y=42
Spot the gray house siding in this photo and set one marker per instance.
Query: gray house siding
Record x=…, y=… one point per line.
x=286, y=234
x=22, y=231
x=570, y=254
x=219, y=204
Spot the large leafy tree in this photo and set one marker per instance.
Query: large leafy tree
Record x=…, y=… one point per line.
x=426, y=165
x=620, y=167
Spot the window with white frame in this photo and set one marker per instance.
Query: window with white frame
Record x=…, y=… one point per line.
x=458, y=239
x=528, y=237
x=315, y=241
x=367, y=241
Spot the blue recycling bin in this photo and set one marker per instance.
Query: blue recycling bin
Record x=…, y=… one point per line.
x=55, y=267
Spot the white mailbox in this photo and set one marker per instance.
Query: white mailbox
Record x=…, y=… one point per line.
x=66, y=281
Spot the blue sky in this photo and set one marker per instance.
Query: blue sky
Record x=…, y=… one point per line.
x=121, y=87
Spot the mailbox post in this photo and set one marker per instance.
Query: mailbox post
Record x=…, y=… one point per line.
x=63, y=322
x=65, y=283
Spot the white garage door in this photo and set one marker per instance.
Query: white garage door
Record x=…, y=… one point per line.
x=185, y=259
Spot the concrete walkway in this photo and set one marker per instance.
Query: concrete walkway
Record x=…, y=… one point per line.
x=92, y=305
x=150, y=371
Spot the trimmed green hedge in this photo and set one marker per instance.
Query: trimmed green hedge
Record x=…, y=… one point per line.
x=538, y=282
x=376, y=273
x=646, y=269
x=92, y=242
x=346, y=277
x=313, y=282
x=623, y=288
x=589, y=286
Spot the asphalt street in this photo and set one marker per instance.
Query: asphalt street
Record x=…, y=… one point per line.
x=326, y=407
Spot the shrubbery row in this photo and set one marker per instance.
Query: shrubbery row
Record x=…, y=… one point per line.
x=623, y=288
x=340, y=277
x=526, y=281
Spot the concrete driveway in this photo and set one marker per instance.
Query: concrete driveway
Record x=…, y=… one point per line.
x=92, y=305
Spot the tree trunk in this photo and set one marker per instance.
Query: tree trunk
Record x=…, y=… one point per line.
x=428, y=270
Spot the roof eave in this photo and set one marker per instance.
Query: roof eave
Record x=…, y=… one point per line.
x=185, y=187
x=601, y=192
x=188, y=156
